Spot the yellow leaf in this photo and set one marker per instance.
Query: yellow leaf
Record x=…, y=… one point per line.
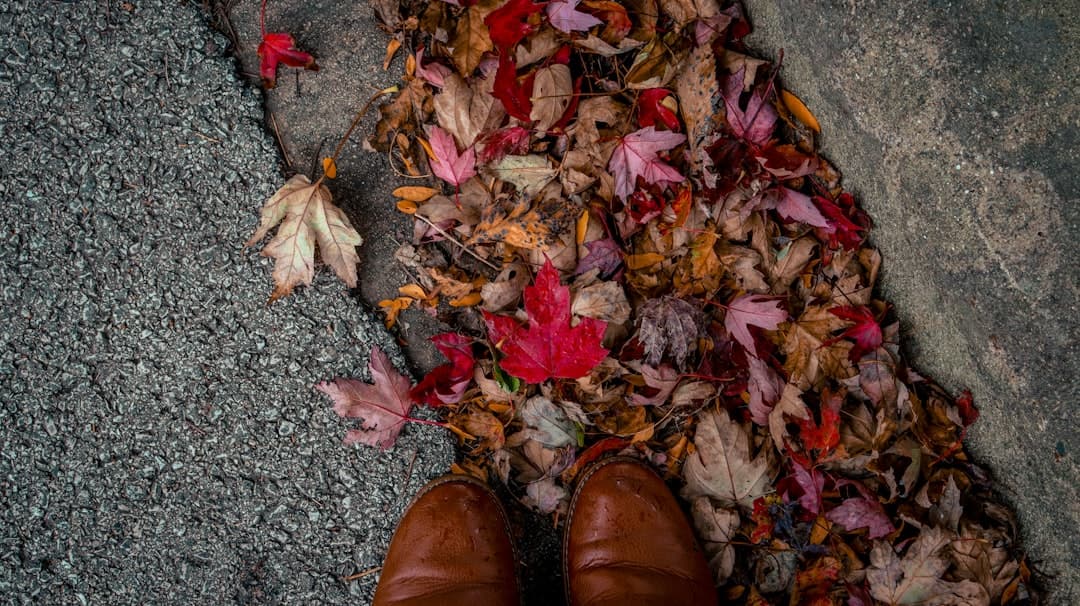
x=415, y=193
x=644, y=435
x=329, y=168
x=800, y=111
x=407, y=206
x=393, y=307
x=410, y=66
x=461, y=433
x=427, y=148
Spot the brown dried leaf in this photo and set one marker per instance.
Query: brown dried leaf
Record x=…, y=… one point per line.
x=553, y=89
x=723, y=467
x=467, y=111
x=471, y=38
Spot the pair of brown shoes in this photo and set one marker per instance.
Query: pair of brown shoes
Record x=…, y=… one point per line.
x=626, y=543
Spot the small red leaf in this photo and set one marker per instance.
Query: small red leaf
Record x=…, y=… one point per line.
x=652, y=111
x=447, y=383
x=280, y=47
x=866, y=332
x=514, y=93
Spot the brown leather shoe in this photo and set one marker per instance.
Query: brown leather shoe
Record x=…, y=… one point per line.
x=452, y=548
x=627, y=542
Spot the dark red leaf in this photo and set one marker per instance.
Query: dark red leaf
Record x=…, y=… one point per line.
x=280, y=47
x=605, y=255
x=511, y=140
x=847, y=222
x=447, y=383
x=514, y=93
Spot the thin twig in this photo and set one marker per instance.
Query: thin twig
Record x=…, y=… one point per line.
x=281, y=144
x=451, y=238
x=360, y=575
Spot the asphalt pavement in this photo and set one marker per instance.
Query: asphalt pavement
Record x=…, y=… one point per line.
x=160, y=441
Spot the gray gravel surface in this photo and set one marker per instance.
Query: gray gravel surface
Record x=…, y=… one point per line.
x=159, y=438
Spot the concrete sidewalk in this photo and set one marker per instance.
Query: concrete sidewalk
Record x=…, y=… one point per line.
x=159, y=438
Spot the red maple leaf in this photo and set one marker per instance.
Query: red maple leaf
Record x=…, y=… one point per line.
x=514, y=93
x=548, y=347
x=508, y=24
x=819, y=439
x=279, y=47
x=866, y=332
x=447, y=383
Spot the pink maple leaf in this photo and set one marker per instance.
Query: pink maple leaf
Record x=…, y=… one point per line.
x=811, y=484
x=548, y=347
x=753, y=310
x=755, y=124
x=765, y=386
x=383, y=405
x=795, y=206
x=447, y=163
x=636, y=156
x=860, y=512
x=565, y=17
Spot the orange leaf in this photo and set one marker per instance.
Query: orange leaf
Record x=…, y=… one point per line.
x=415, y=193
x=800, y=111
x=391, y=50
x=329, y=168
x=635, y=262
x=407, y=206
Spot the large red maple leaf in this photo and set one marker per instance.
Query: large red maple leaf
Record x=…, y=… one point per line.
x=549, y=347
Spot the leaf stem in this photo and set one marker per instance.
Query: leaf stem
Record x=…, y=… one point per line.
x=443, y=233
x=356, y=120
x=262, y=19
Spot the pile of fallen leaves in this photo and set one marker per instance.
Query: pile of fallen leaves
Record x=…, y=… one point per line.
x=645, y=255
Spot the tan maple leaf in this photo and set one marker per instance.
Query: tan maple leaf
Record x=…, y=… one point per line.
x=723, y=465
x=307, y=217
x=917, y=578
